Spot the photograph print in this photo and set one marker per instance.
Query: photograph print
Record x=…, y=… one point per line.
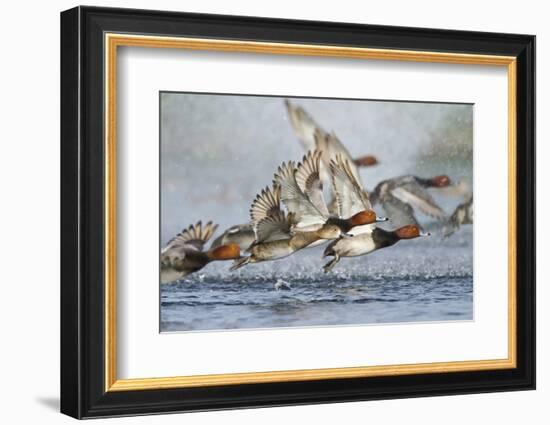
x=281, y=212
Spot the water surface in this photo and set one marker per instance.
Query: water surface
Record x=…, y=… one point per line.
x=428, y=279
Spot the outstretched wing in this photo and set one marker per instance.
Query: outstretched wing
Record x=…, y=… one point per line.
x=302, y=124
x=303, y=210
x=266, y=204
x=331, y=147
x=309, y=181
x=313, y=137
x=399, y=212
x=350, y=196
x=194, y=237
x=412, y=193
x=463, y=214
x=269, y=222
x=274, y=227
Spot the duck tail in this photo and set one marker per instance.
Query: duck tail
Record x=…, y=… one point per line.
x=237, y=264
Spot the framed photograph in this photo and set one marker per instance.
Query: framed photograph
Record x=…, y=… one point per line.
x=261, y=212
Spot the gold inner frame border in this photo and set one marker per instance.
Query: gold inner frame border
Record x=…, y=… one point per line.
x=113, y=40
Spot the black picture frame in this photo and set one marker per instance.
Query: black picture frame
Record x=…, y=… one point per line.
x=83, y=392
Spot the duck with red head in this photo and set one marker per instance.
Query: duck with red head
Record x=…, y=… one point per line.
x=362, y=218
x=410, y=231
x=275, y=238
x=402, y=197
x=301, y=191
x=185, y=254
x=365, y=243
x=308, y=223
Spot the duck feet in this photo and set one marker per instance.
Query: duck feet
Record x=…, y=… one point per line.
x=330, y=265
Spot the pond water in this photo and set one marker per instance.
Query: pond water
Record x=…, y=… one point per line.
x=423, y=280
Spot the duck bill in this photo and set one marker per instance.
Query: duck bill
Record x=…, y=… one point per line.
x=381, y=219
x=422, y=234
x=347, y=235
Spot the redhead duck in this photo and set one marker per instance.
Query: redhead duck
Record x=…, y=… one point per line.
x=304, y=197
x=239, y=234
x=350, y=196
x=368, y=242
x=463, y=214
x=401, y=196
x=185, y=254
x=273, y=228
x=302, y=194
x=312, y=137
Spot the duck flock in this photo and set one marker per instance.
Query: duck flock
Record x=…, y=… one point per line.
x=348, y=222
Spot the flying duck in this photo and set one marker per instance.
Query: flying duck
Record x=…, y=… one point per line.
x=184, y=254
x=313, y=137
x=273, y=229
x=402, y=196
x=302, y=194
x=350, y=197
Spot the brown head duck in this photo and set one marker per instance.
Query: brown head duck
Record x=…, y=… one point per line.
x=400, y=197
x=273, y=229
x=302, y=194
x=368, y=242
x=185, y=253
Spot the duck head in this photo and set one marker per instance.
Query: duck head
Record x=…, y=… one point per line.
x=365, y=217
x=225, y=252
x=366, y=161
x=440, y=181
x=410, y=231
x=329, y=231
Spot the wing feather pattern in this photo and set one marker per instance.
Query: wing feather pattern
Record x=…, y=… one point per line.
x=268, y=220
x=297, y=202
x=350, y=196
x=309, y=181
x=194, y=237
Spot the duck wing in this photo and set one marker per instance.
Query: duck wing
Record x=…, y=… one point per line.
x=268, y=221
x=305, y=213
x=238, y=231
x=266, y=203
x=350, y=196
x=309, y=181
x=400, y=213
x=412, y=193
x=302, y=124
x=184, y=254
x=463, y=214
x=193, y=238
x=313, y=137
x=331, y=147
x=175, y=253
x=273, y=228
